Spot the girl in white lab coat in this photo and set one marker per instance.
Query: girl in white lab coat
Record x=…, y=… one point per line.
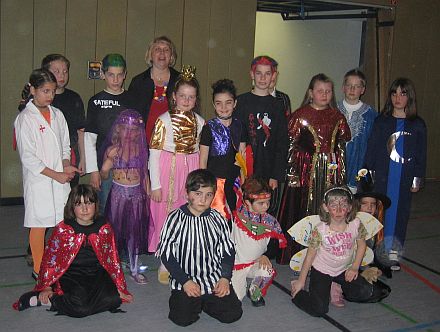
x=43, y=144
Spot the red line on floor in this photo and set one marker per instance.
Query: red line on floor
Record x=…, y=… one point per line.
x=406, y=268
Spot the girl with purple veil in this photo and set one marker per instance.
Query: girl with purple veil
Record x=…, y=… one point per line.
x=125, y=154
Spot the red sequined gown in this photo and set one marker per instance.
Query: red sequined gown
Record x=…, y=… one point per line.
x=316, y=160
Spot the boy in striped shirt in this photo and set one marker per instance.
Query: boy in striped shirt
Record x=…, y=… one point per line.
x=196, y=248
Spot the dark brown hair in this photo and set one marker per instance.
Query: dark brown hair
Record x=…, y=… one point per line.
x=407, y=86
x=200, y=178
x=254, y=186
x=81, y=190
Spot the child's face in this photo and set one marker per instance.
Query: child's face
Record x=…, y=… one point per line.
x=185, y=97
x=129, y=133
x=200, y=200
x=262, y=76
x=43, y=96
x=321, y=94
x=224, y=104
x=338, y=207
x=353, y=89
x=259, y=206
x=368, y=204
x=399, y=99
x=114, y=78
x=161, y=55
x=61, y=72
x=84, y=211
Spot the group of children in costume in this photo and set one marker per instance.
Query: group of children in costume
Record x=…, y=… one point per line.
x=175, y=206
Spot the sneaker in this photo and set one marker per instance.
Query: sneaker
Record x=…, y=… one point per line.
x=395, y=266
x=34, y=275
x=393, y=256
x=139, y=278
x=256, y=303
x=163, y=276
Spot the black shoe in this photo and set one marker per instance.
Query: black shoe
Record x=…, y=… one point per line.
x=256, y=303
x=34, y=275
x=24, y=300
x=259, y=303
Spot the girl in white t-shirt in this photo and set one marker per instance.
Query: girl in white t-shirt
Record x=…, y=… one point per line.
x=336, y=248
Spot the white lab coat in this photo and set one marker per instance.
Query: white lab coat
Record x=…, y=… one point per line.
x=42, y=145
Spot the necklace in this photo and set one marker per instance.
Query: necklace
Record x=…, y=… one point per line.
x=160, y=97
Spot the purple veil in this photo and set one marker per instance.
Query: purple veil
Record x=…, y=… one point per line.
x=127, y=135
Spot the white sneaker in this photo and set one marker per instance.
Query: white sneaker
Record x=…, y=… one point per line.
x=393, y=256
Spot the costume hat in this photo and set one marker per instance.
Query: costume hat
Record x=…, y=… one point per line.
x=365, y=188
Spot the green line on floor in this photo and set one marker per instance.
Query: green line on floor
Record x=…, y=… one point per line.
x=397, y=312
x=18, y=285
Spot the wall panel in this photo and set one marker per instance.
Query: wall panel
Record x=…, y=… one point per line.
x=16, y=63
x=81, y=44
x=242, y=43
x=141, y=20
x=195, y=40
x=49, y=28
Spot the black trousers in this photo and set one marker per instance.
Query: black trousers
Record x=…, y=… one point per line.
x=316, y=301
x=185, y=310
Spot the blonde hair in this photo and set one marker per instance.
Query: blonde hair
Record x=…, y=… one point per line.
x=158, y=40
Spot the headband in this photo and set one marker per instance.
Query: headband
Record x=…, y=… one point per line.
x=350, y=195
x=259, y=196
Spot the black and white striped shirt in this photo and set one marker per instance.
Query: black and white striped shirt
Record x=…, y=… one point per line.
x=196, y=248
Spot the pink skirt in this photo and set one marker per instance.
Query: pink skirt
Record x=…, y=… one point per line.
x=174, y=168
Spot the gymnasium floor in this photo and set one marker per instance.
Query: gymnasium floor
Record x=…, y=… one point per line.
x=414, y=303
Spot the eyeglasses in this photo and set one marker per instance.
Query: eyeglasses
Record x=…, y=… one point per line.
x=353, y=86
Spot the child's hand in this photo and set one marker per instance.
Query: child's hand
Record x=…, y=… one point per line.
x=192, y=289
x=125, y=297
x=351, y=275
x=156, y=195
x=273, y=184
x=45, y=295
x=264, y=263
x=82, y=167
x=71, y=169
x=297, y=285
x=63, y=177
x=95, y=180
x=222, y=288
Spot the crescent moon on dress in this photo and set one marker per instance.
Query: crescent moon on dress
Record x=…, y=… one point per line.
x=391, y=146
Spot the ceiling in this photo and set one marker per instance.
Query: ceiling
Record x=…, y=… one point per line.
x=316, y=9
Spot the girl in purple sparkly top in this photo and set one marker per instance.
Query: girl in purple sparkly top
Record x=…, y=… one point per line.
x=125, y=154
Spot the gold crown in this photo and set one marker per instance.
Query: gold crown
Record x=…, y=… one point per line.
x=188, y=73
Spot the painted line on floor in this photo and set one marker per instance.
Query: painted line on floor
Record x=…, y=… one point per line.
x=418, y=327
x=423, y=237
x=18, y=285
x=420, y=277
x=398, y=313
x=13, y=256
x=421, y=265
x=326, y=317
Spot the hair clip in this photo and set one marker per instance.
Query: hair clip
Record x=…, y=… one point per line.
x=350, y=195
